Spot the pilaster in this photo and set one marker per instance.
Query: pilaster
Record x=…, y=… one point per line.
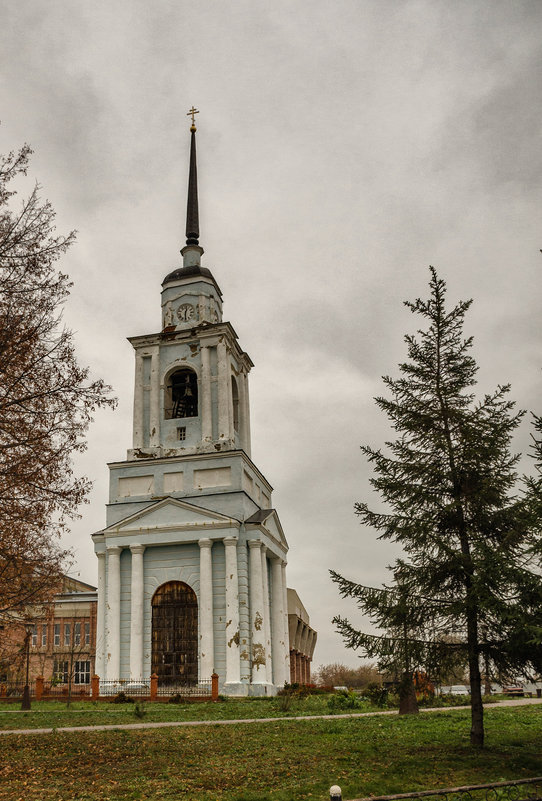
x=233, y=668
x=113, y=612
x=100, y=618
x=257, y=614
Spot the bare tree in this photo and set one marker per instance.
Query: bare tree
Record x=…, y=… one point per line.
x=46, y=399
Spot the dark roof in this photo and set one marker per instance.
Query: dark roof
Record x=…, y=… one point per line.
x=260, y=516
x=189, y=272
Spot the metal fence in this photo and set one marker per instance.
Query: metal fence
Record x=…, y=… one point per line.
x=202, y=689
x=14, y=689
x=142, y=688
x=518, y=790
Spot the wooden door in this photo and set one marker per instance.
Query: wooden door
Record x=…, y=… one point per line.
x=175, y=634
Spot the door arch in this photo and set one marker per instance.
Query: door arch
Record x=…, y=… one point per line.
x=175, y=634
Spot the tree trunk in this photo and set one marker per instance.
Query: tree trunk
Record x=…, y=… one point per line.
x=476, y=705
x=408, y=703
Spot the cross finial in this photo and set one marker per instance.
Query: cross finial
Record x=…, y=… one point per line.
x=191, y=113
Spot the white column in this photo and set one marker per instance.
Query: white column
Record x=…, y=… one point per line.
x=99, y=664
x=154, y=421
x=233, y=667
x=112, y=639
x=154, y=426
x=266, y=619
x=206, y=609
x=277, y=642
x=259, y=672
x=245, y=411
x=286, y=627
x=136, y=613
x=206, y=408
x=138, y=402
x=224, y=392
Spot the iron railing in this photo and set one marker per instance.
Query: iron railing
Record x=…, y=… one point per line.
x=14, y=689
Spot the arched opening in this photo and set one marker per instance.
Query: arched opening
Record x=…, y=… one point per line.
x=181, y=394
x=175, y=634
x=235, y=398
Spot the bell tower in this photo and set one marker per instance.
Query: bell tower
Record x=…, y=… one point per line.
x=191, y=563
x=191, y=379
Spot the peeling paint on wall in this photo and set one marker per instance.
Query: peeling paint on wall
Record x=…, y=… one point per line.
x=258, y=621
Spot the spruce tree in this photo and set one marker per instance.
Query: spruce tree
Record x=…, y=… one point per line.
x=450, y=486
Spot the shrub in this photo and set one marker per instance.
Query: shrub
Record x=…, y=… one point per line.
x=344, y=699
x=376, y=694
x=122, y=698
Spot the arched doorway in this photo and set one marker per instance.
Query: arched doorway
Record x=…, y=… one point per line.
x=175, y=634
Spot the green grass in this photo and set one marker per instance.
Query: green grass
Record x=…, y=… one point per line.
x=51, y=714
x=277, y=761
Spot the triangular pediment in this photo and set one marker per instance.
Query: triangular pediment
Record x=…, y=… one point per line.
x=171, y=513
x=267, y=520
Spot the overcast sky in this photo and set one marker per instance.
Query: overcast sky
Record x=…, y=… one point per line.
x=343, y=146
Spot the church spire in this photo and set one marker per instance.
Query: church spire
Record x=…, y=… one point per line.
x=192, y=213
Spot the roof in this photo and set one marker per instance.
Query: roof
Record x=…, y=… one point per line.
x=260, y=516
x=190, y=272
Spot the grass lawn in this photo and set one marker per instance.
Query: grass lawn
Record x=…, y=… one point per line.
x=45, y=714
x=279, y=761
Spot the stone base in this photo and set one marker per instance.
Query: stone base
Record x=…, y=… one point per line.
x=243, y=689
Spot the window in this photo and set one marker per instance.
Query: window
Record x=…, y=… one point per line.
x=235, y=399
x=60, y=671
x=44, y=635
x=77, y=634
x=56, y=639
x=67, y=634
x=82, y=672
x=181, y=395
x=34, y=635
x=181, y=433
x=87, y=633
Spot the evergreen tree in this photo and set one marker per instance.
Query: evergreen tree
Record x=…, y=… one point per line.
x=450, y=484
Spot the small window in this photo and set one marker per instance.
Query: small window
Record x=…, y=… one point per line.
x=87, y=633
x=67, y=634
x=57, y=634
x=181, y=433
x=44, y=635
x=34, y=635
x=77, y=634
x=181, y=395
x=60, y=671
x=82, y=672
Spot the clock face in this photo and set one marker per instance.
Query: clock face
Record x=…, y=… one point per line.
x=186, y=312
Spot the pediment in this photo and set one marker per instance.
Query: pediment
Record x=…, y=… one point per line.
x=171, y=514
x=267, y=520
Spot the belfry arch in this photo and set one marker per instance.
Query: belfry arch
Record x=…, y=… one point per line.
x=175, y=634
x=181, y=394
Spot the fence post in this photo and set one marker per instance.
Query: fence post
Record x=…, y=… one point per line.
x=39, y=687
x=154, y=686
x=95, y=687
x=214, y=687
x=3, y=690
x=335, y=793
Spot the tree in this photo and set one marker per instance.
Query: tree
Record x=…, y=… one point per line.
x=46, y=399
x=455, y=505
x=338, y=675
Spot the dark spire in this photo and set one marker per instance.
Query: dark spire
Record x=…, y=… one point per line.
x=192, y=214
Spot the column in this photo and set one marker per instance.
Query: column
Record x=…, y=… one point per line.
x=206, y=407
x=138, y=402
x=266, y=618
x=112, y=640
x=259, y=671
x=224, y=392
x=99, y=666
x=233, y=667
x=207, y=658
x=286, y=646
x=245, y=411
x=277, y=641
x=136, y=613
x=154, y=423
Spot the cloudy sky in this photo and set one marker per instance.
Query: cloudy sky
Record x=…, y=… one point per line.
x=343, y=147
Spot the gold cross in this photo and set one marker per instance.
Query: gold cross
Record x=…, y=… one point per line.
x=192, y=112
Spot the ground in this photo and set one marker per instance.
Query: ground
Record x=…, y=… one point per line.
x=279, y=761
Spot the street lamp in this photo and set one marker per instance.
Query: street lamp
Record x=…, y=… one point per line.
x=26, y=692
